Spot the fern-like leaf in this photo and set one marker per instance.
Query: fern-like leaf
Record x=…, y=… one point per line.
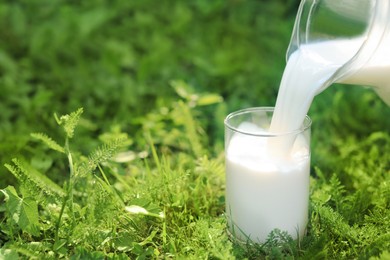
x=69, y=122
x=337, y=192
x=34, y=182
x=100, y=155
x=48, y=141
x=335, y=224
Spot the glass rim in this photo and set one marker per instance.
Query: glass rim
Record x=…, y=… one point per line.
x=306, y=123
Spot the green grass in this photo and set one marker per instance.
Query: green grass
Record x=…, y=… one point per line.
x=139, y=171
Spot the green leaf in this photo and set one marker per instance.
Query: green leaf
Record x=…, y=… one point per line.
x=209, y=99
x=124, y=241
x=182, y=88
x=144, y=207
x=8, y=254
x=69, y=122
x=23, y=211
x=384, y=255
x=86, y=253
x=35, y=182
x=100, y=155
x=135, y=209
x=48, y=141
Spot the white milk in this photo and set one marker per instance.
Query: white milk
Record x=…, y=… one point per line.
x=312, y=65
x=376, y=73
x=306, y=71
x=268, y=179
x=262, y=192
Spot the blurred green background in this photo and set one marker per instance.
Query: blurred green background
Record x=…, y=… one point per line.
x=120, y=60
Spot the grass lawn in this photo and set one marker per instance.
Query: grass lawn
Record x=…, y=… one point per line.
x=111, y=133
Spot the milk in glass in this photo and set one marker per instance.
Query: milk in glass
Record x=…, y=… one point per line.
x=265, y=192
x=268, y=177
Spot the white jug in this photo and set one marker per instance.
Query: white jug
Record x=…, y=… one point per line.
x=366, y=23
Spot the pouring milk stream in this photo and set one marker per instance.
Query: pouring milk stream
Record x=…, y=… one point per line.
x=317, y=59
x=267, y=178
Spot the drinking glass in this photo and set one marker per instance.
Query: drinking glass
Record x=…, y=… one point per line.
x=263, y=192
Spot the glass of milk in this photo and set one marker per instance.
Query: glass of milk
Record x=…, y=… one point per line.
x=265, y=192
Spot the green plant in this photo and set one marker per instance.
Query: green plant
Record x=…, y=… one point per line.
x=156, y=79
